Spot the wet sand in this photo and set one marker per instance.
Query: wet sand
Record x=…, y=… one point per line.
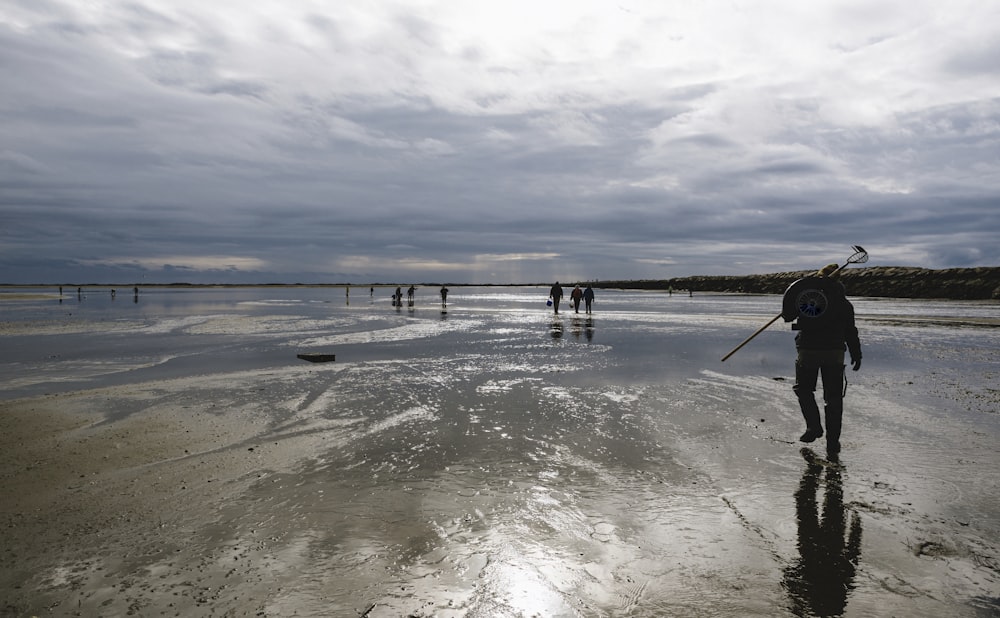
x=535, y=469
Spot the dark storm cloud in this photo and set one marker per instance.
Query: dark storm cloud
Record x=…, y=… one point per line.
x=262, y=142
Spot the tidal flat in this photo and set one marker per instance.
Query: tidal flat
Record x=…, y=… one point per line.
x=169, y=455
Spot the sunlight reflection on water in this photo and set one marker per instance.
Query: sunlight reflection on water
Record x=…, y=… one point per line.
x=494, y=459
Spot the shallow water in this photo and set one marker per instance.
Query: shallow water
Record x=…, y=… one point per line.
x=489, y=458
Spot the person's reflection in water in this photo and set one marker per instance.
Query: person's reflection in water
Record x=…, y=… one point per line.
x=557, y=329
x=819, y=581
x=589, y=329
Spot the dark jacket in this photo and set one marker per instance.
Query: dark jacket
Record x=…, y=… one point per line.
x=836, y=332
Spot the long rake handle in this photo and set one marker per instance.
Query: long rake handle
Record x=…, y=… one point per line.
x=747, y=340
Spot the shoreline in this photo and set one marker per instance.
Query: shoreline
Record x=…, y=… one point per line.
x=979, y=283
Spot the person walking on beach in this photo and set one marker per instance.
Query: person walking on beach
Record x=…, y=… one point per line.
x=409, y=295
x=444, y=296
x=556, y=294
x=588, y=298
x=820, y=346
x=576, y=296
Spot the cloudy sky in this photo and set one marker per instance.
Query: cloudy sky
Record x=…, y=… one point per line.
x=247, y=141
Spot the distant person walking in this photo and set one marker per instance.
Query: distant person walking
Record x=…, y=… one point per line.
x=371, y=292
x=820, y=345
x=398, y=297
x=556, y=294
x=444, y=296
x=588, y=298
x=576, y=296
x=409, y=295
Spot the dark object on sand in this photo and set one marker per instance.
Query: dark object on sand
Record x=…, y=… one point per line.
x=318, y=358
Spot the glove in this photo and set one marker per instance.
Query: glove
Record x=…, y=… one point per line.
x=855, y=364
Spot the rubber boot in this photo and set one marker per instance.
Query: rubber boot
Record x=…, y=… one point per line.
x=810, y=412
x=834, y=413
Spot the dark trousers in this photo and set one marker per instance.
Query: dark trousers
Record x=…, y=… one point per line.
x=828, y=364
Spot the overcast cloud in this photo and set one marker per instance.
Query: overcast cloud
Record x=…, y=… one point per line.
x=308, y=141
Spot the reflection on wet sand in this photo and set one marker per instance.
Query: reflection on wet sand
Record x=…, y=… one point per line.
x=179, y=459
x=820, y=580
x=583, y=327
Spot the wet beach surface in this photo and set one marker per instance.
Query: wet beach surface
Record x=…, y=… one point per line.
x=172, y=456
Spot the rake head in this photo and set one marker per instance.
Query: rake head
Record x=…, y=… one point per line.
x=860, y=255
